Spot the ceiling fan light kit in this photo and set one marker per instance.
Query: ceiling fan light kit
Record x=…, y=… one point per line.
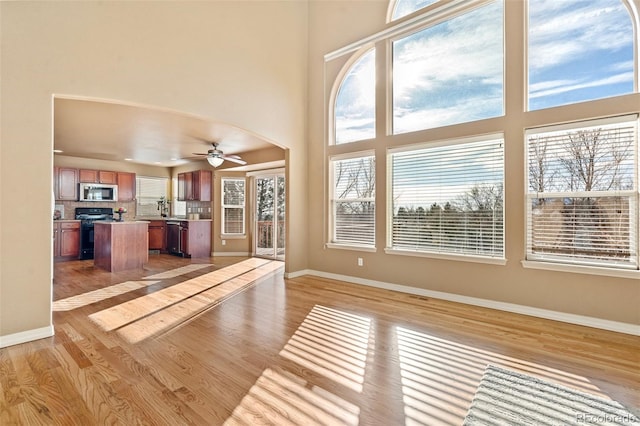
x=215, y=161
x=215, y=157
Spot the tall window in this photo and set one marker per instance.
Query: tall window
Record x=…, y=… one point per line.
x=353, y=200
x=451, y=72
x=448, y=199
x=233, y=206
x=149, y=190
x=405, y=7
x=355, y=107
x=579, y=51
x=583, y=193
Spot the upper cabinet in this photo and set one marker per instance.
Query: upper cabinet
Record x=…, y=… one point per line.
x=98, y=176
x=126, y=186
x=194, y=186
x=65, y=183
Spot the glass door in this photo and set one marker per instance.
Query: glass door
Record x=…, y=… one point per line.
x=269, y=226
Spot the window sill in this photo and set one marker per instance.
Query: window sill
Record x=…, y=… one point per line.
x=232, y=237
x=579, y=269
x=443, y=256
x=350, y=247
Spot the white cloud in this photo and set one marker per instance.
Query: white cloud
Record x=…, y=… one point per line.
x=561, y=31
x=555, y=87
x=467, y=47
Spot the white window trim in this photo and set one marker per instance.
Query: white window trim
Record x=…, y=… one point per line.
x=581, y=269
x=546, y=262
x=448, y=256
x=389, y=208
x=223, y=206
x=331, y=229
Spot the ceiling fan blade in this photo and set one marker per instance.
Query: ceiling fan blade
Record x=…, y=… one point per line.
x=199, y=153
x=234, y=159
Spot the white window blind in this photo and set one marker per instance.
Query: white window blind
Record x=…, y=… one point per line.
x=233, y=206
x=353, y=200
x=583, y=193
x=148, y=193
x=448, y=199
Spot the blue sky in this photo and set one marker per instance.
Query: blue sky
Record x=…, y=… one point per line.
x=452, y=72
x=578, y=50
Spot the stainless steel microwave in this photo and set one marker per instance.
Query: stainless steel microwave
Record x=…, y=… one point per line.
x=97, y=192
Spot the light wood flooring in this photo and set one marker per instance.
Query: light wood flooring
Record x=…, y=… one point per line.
x=230, y=341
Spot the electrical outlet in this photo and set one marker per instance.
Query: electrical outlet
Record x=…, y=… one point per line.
x=360, y=261
x=224, y=242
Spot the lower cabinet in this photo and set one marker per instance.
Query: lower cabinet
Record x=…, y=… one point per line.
x=66, y=240
x=196, y=238
x=158, y=235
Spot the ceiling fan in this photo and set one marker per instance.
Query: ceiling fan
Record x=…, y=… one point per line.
x=215, y=157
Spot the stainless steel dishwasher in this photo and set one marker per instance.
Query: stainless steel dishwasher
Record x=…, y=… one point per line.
x=173, y=238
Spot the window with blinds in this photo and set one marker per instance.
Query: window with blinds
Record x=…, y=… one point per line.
x=448, y=199
x=233, y=206
x=582, y=200
x=353, y=200
x=148, y=193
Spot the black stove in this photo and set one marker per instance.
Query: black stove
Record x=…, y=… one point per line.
x=88, y=215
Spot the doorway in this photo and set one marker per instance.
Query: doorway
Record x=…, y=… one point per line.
x=269, y=235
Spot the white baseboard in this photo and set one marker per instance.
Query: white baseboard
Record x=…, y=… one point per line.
x=620, y=327
x=26, y=336
x=230, y=253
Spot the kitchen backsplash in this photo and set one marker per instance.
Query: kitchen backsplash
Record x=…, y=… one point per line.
x=68, y=208
x=203, y=208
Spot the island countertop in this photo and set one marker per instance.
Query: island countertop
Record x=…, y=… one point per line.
x=120, y=246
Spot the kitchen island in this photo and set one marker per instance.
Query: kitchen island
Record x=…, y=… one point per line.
x=120, y=246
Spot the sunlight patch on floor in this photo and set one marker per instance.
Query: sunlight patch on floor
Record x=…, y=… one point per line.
x=124, y=313
x=178, y=271
x=437, y=373
x=332, y=343
x=156, y=313
x=90, y=297
x=179, y=313
x=281, y=398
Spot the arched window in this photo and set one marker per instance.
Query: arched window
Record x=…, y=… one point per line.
x=355, y=106
x=400, y=8
x=451, y=72
x=579, y=51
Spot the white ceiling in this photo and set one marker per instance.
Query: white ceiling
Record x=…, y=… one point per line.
x=114, y=131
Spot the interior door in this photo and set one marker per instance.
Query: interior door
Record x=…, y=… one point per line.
x=269, y=235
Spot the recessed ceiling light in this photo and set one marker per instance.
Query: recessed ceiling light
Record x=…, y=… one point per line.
x=128, y=159
x=57, y=151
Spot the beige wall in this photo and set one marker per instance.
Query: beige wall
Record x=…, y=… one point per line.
x=224, y=60
x=600, y=297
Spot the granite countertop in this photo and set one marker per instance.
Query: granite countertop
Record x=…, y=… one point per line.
x=124, y=222
x=173, y=219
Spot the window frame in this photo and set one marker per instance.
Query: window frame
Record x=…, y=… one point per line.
x=389, y=249
x=331, y=240
x=139, y=187
x=558, y=263
x=224, y=207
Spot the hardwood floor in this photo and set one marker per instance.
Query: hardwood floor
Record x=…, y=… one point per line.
x=230, y=341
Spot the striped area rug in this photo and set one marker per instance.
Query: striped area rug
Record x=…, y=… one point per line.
x=507, y=397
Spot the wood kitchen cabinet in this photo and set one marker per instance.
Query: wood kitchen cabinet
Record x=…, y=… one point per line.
x=158, y=235
x=194, y=186
x=66, y=240
x=126, y=186
x=65, y=183
x=189, y=238
x=195, y=238
x=98, y=176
